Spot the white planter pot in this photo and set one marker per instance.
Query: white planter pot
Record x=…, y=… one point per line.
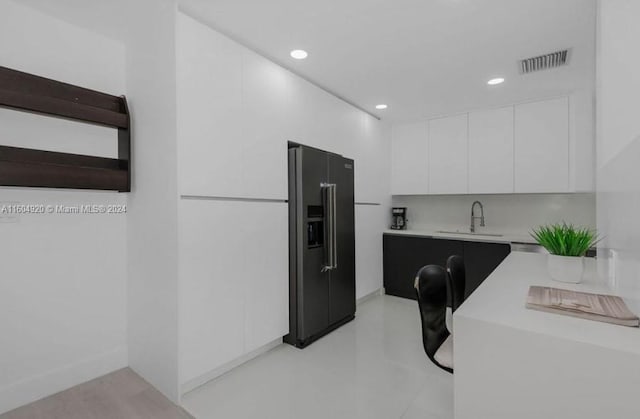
x=566, y=268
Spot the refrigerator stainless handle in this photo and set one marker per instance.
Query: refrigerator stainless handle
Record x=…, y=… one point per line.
x=327, y=198
x=329, y=194
x=334, y=226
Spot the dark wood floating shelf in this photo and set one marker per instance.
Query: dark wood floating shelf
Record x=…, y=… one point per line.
x=47, y=169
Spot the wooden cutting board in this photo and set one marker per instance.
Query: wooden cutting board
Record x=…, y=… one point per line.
x=597, y=307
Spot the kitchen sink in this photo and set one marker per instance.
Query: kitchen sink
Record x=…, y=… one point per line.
x=468, y=233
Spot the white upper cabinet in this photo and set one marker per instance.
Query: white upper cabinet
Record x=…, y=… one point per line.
x=409, y=147
x=265, y=98
x=209, y=105
x=448, y=151
x=542, y=146
x=538, y=147
x=232, y=110
x=491, y=151
x=237, y=111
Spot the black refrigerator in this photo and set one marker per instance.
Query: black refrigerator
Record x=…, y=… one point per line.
x=322, y=272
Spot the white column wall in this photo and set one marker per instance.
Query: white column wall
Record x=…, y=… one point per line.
x=152, y=231
x=618, y=144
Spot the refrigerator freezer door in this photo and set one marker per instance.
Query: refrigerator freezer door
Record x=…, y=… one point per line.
x=312, y=281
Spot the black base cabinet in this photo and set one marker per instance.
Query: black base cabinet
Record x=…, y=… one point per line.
x=480, y=259
x=405, y=255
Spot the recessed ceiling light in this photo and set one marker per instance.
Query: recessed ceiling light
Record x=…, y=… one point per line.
x=495, y=81
x=381, y=106
x=299, y=54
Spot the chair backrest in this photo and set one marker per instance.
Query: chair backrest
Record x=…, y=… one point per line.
x=456, y=281
x=431, y=288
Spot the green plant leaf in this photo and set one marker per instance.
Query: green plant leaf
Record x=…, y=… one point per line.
x=564, y=239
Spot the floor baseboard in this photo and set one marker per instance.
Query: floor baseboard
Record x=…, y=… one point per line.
x=212, y=375
x=369, y=296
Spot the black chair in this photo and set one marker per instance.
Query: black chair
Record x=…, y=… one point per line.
x=456, y=281
x=431, y=288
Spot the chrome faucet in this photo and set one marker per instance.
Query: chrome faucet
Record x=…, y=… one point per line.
x=474, y=217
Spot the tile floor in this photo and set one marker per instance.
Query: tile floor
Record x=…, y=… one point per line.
x=373, y=367
x=120, y=395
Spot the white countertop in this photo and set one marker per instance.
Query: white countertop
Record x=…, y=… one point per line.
x=505, y=237
x=512, y=362
x=501, y=300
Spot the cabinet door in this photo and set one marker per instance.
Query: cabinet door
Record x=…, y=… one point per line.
x=212, y=286
x=448, y=163
x=480, y=259
x=491, y=151
x=404, y=256
x=209, y=98
x=542, y=146
x=234, y=280
x=264, y=272
x=409, y=162
x=265, y=91
x=309, y=115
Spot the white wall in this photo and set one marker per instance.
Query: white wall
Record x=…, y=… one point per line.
x=152, y=233
x=503, y=213
x=582, y=139
x=371, y=220
x=373, y=185
x=618, y=144
x=236, y=112
x=63, y=294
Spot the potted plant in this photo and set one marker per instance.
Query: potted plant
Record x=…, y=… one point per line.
x=567, y=246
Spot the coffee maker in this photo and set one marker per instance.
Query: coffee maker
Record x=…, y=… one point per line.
x=399, y=218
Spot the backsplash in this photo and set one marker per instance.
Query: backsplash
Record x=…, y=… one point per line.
x=503, y=213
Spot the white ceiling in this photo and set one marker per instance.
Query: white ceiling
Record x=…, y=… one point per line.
x=421, y=57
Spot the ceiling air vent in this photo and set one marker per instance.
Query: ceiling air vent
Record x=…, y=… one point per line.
x=544, y=62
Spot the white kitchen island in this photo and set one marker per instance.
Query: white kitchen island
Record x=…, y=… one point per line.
x=515, y=363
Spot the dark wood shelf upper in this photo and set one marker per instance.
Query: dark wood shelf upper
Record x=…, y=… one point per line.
x=39, y=168
x=48, y=169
